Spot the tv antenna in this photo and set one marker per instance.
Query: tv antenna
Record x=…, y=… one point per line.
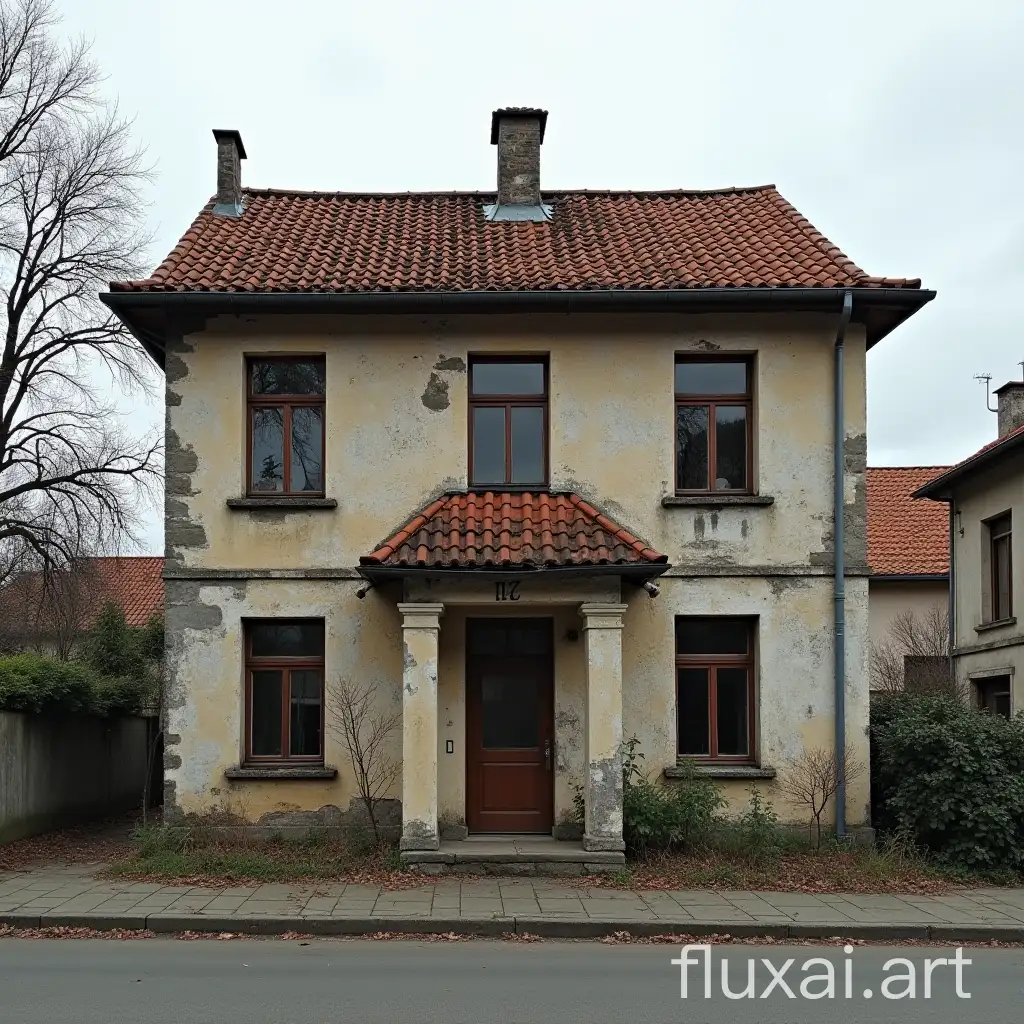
x=987, y=378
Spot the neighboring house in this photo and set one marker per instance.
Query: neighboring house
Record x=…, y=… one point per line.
x=53, y=614
x=547, y=468
x=908, y=551
x=984, y=496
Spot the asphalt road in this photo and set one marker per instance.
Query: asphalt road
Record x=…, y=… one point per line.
x=258, y=982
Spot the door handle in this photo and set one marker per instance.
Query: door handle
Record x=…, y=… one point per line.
x=547, y=755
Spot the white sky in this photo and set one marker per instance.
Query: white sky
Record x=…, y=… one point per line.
x=894, y=127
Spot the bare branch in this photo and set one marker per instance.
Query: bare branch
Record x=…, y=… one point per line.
x=813, y=778
x=915, y=656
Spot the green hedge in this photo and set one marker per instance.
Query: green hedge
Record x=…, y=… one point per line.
x=951, y=776
x=30, y=682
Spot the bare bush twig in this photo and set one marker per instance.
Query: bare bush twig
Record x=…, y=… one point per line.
x=914, y=657
x=813, y=778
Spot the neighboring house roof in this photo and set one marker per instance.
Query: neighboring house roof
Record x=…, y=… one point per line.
x=905, y=537
x=135, y=583
x=498, y=530
x=940, y=487
x=288, y=241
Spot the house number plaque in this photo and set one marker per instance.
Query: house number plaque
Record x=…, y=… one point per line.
x=506, y=591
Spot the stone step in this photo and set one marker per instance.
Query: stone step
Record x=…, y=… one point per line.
x=489, y=855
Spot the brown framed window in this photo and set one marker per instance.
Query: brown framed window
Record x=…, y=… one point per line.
x=715, y=688
x=714, y=435
x=286, y=425
x=993, y=695
x=284, y=690
x=508, y=422
x=1000, y=556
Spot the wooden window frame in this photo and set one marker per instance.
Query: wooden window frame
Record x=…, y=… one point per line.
x=286, y=403
x=508, y=403
x=713, y=662
x=1000, y=528
x=712, y=402
x=285, y=665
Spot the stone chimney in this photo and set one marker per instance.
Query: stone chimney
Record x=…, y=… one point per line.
x=518, y=133
x=1011, y=406
x=230, y=154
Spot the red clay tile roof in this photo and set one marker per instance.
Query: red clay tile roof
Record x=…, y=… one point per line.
x=438, y=242
x=905, y=537
x=937, y=486
x=490, y=529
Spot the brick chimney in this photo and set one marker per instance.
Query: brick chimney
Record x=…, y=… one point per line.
x=230, y=154
x=1011, y=406
x=518, y=133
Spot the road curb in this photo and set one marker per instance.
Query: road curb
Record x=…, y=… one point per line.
x=544, y=927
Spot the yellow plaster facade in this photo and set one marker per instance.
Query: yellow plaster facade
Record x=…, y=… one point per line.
x=396, y=436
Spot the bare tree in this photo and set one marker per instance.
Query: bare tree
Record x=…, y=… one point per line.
x=366, y=731
x=70, y=477
x=812, y=780
x=914, y=657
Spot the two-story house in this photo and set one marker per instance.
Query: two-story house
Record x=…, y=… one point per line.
x=985, y=497
x=549, y=469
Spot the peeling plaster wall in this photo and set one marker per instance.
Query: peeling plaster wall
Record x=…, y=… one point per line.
x=1000, y=649
x=396, y=435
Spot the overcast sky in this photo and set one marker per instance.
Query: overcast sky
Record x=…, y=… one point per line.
x=894, y=127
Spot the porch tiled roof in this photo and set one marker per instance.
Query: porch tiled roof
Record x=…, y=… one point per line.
x=501, y=529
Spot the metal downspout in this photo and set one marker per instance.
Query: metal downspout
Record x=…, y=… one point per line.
x=951, y=614
x=839, y=628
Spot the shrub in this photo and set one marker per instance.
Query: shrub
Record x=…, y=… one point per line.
x=755, y=834
x=660, y=818
x=31, y=682
x=952, y=777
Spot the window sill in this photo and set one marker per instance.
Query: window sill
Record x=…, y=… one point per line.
x=271, y=772
x=995, y=624
x=717, y=500
x=720, y=771
x=251, y=504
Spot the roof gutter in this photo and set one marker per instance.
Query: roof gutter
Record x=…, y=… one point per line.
x=941, y=488
x=839, y=585
x=147, y=313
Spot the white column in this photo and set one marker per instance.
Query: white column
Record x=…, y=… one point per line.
x=420, y=628
x=603, y=789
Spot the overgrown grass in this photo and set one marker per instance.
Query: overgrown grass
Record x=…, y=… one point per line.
x=195, y=856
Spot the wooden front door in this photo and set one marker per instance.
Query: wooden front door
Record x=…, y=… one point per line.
x=509, y=725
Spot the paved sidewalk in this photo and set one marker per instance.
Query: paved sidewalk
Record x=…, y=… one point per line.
x=493, y=906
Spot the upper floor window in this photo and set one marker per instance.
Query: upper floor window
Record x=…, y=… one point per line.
x=286, y=425
x=508, y=422
x=284, y=690
x=1000, y=551
x=713, y=425
x=715, y=688
x=993, y=695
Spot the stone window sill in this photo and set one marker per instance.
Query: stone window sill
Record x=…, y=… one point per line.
x=720, y=771
x=716, y=500
x=269, y=772
x=258, y=504
x=995, y=624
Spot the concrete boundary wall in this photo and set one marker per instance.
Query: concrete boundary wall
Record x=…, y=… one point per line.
x=55, y=771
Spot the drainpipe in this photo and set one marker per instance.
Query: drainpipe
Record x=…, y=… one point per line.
x=839, y=629
x=951, y=614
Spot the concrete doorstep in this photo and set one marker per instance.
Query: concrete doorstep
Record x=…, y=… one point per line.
x=497, y=926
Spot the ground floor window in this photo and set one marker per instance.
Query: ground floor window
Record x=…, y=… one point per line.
x=715, y=688
x=284, y=690
x=993, y=695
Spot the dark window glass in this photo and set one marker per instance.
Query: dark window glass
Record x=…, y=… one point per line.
x=730, y=447
x=489, y=444
x=306, y=698
x=307, y=448
x=509, y=710
x=721, y=378
x=267, y=449
x=994, y=695
x=286, y=639
x=692, y=703
x=508, y=378
x=712, y=636
x=280, y=377
x=999, y=531
x=266, y=713
x=527, y=445
x=692, y=446
x=733, y=714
